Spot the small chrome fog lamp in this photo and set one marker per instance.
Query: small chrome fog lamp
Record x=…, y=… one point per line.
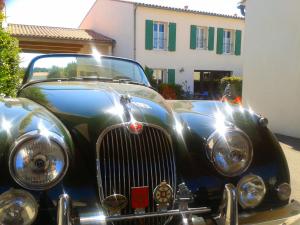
x=17, y=207
x=251, y=191
x=284, y=191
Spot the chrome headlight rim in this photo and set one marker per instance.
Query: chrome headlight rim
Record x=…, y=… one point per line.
x=32, y=135
x=216, y=135
x=14, y=194
x=242, y=181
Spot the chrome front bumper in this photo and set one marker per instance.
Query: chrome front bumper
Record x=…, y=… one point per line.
x=288, y=215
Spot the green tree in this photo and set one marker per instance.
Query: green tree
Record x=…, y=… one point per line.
x=149, y=75
x=71, y=70
x=10, y=76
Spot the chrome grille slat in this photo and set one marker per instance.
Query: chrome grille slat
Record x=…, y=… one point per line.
x=169, y=162
x=127, y=152
x=137, y=160
x=145, y=159
x=153, y=157
x=156, y=155
x=123, y=160
x=114, y=165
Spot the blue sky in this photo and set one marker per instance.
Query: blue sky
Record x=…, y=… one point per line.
x=69, y=13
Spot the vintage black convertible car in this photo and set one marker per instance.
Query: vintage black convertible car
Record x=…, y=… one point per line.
x=89, y=141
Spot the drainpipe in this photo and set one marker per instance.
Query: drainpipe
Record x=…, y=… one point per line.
x=134, y=35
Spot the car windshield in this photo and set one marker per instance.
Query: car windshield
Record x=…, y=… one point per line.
x=87, y=68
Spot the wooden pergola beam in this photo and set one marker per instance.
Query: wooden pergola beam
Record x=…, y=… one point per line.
x=50, y=48
x=53, y=44
x=45, y=51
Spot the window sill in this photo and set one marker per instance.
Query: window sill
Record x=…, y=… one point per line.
x=160, y=50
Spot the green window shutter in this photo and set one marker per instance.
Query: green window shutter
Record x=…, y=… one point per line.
x=171, y=76
x=149, y=35
x=211, y=38
x=238, y=42
x=220, y=32
x=193, y=40
x=172, y=37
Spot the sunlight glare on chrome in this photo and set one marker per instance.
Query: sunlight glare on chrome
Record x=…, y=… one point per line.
x=220, y=123
x=185, y=221
x=117, y=110
x=43, y=130
x=6, y=125
x=228, y=108
x=241, y=108
x=251, y=111
x=178, y=125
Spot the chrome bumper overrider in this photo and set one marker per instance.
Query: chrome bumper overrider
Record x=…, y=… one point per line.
x=289, y=214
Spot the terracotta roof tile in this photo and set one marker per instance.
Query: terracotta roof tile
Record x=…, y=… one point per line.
x=21, y=30
x=181, y=9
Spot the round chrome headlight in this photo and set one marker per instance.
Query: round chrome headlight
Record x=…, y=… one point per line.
x=17, y=207
x=230, y=152
x=251, y=191
x=38, y=162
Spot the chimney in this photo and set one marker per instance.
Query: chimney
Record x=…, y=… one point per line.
x=186, y=7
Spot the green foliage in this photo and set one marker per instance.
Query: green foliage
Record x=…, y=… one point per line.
x=10, y=76
x=235, y=82
x=59, y=72
x=149, y=75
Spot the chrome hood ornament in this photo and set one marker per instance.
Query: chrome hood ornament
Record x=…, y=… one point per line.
x=184, y=196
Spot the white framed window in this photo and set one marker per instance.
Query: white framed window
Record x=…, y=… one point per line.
x=228, y=41
x=160, y=35
x=160, y=76
x=201, y=37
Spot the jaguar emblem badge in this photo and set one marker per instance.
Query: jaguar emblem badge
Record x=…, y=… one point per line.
x=163, y=196
x=135, y=127
x=115, y=203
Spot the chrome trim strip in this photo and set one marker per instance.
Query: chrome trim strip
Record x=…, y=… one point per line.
x=92, y=219
x=35, y=134
x=64, y=207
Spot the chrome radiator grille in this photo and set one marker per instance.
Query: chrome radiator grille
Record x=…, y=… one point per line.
x=127, y=160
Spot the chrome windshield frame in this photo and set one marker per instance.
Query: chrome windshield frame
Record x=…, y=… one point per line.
x=29, y=71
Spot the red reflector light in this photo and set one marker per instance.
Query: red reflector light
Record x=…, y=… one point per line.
x=139, y=197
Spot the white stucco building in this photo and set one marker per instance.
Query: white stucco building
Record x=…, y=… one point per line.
x=272, y=70
x=179, y=44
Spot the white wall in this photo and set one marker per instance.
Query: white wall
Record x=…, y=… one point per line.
x=184, y=57
x=115, y=20
x=272, y=63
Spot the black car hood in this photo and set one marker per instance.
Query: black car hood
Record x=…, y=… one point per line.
x=88, y=108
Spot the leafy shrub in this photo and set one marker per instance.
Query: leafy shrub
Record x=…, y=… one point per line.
x=10, y=76
x=236, y=85
x=168, y=91
x=171, y=91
